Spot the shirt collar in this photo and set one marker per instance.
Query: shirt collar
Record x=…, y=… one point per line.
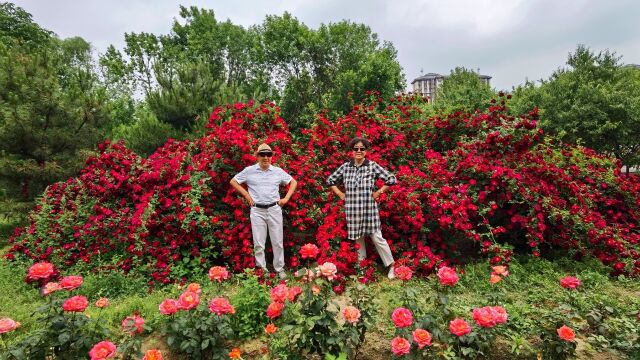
x=268, y=169
x=364, y=163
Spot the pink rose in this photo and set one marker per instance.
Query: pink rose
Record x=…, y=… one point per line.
x=447, y=276
x=71, y=282
x=402, y=317
x=102, y=350
x=41, y=270
x=218, y=273
x=279, y=293
x=566, y=333
x=168, y=307
x=221, y=306
x=50, y=288
x=570, y=282
x=75, y=304
x=459, y=327
x=133, y=324
x=403, y=273
x=328, y=270
x=7, y=325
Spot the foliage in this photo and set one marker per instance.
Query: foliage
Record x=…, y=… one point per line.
x=463, y=90
x=594, y=101
x=252, y=299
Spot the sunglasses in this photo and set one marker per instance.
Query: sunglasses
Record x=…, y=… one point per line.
x=359, y=149
x=265, y=154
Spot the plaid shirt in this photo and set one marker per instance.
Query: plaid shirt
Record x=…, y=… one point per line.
x=359, y=182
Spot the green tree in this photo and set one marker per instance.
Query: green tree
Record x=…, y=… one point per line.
x=525, y=98
x=594, y=101
x=17, y=27
x=463, y=90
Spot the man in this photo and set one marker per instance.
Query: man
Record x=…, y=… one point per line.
x=263, y=181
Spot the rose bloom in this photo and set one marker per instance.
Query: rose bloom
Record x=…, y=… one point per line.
x=402, y=317
x=218, y=273
x=566, y=333
x=270, y=329
x=71, y=282
x=495, y=278
x=75, y=304
x=221, y=306
x=315, y=289
x=400, y=346
x=485, y=317
x=168, y=307
x=309, y=251
x=328, y=270
x=194, y=287
x=41, y=270
x=188, y=300
x=102, y=303
x=133, y=324
x=422, y=338
x=293, y=292
x=500, y=314
x=235, y=353
x=279, y=293
x=459, y=327
x=447, y=276
x=274, y=310
x=403, y=273
x=500, y=270
x=102, y=350
x=7, y=325
x=153, y=355
x=570, y=282
x=50, y=288
x=351, y=314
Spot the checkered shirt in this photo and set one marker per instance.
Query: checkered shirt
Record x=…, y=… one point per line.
x=360, y=207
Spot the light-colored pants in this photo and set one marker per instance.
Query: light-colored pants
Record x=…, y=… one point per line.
x=381, y=245
x=263, y=220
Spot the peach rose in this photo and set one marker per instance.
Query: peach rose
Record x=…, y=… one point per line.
x=309, y=251
x=459, y=327
x=218, y=273
x=168, y=307
x=194, y=287
x=102, y=303
x=7, y=325
x=351, y=314
x=328, y=270
x=422, y=337
x=188, y=300
x=153, y=355
x=50, y=288
x=270, y=329
x=274, y=310
x=566, y=333
x=293, y=292
x=400, y=346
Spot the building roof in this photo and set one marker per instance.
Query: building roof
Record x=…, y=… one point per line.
x=431, y=76
x=428, y=76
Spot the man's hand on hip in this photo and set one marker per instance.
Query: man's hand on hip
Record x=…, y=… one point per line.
x=282, y=202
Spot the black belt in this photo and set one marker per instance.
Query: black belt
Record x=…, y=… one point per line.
x=266, y=206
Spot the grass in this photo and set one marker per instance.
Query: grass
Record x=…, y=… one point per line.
x=530, y=293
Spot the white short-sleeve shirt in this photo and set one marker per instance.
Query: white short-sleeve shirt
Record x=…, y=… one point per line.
x=264, y=185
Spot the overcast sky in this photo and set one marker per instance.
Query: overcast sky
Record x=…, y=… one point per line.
x=510, y=40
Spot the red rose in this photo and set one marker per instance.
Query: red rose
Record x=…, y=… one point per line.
x=274, y=310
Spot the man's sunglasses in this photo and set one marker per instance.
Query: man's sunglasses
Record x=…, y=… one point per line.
x=359, y=149
x=265, y=154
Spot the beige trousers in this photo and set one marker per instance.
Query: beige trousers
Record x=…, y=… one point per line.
x=381, y=245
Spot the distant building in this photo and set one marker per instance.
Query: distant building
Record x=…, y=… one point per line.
x=426, y=85
x=634, y=66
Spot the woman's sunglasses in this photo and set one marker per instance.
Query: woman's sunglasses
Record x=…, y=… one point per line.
x=359, y=149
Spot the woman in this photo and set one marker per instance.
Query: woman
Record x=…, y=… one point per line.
x=358, y=177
